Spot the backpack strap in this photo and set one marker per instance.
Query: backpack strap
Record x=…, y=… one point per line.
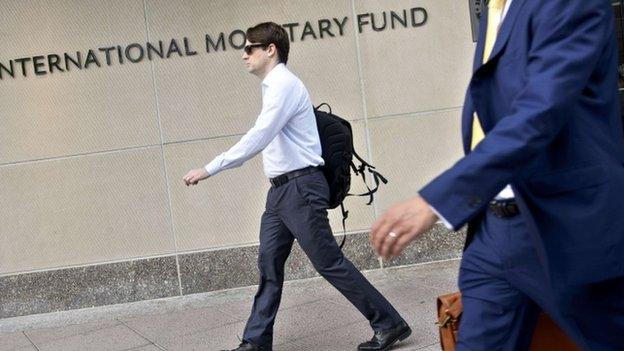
x=360, y=158
x=345, y=214
x=324, y=104
x=377, y=177
x=360, y=171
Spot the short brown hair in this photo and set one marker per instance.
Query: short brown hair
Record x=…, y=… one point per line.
x=271, y=33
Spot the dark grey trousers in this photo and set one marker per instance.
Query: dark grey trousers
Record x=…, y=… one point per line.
x=298, y=209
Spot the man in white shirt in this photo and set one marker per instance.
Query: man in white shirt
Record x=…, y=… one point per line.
x=297, y=202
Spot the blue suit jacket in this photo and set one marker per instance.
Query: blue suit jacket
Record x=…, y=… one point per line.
x=548, y=102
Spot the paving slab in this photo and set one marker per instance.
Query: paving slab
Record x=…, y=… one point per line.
x=171, y=325
x=104, y=335
x=222, y=338
x=15, y=341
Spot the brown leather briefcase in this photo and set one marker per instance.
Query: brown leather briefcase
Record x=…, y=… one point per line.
x=547, y=336
x=449, y=313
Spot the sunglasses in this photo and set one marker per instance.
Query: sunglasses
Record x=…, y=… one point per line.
x=249, y=48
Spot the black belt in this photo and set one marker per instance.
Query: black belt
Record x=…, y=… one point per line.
x=284, y=178
x=504, y=208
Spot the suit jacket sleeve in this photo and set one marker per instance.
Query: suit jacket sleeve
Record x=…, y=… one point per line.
x=565, y=45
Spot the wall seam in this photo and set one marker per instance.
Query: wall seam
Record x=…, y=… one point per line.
x=358, y=55
x=162, y=153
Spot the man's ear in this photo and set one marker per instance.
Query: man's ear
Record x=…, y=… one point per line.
x=272, y=49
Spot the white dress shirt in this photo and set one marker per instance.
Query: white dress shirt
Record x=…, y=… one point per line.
x=507, y=4
x=507, y=192
x=285, y=131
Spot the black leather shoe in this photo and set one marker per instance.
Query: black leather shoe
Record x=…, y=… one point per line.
x=383, y=340
x=247, y=346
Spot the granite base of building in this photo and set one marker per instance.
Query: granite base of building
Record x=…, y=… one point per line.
x=145, y=279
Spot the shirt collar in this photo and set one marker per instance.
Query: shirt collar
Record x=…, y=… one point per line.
x=274, y=74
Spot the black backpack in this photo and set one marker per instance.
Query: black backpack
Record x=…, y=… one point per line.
x=338, y=152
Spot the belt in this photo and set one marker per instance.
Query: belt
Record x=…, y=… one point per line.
x=286, y=177
x=504, y=208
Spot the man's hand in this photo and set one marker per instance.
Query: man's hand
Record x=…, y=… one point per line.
x=401, y=224
x=194, y=176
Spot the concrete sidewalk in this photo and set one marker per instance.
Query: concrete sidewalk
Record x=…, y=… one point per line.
x=312, y=316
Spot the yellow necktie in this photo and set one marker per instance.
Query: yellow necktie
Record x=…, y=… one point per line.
x=495, y=11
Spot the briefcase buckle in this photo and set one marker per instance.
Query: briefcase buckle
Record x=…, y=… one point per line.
x=447, y=320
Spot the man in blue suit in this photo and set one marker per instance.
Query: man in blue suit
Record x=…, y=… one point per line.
x=543, y=191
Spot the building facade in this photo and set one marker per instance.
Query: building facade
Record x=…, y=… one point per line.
x=107, y=104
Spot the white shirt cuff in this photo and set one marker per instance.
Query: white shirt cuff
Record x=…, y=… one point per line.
x=442, y=219
x=211, y=170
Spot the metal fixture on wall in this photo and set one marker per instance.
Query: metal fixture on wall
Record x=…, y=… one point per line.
x=476, y=7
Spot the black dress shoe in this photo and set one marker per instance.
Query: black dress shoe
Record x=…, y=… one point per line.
x=247, y=346
x=383, y=340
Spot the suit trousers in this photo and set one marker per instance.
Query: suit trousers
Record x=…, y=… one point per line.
x=504, y=286
x=298, y=210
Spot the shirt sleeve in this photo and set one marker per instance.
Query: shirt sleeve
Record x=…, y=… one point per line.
x=277, y=109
